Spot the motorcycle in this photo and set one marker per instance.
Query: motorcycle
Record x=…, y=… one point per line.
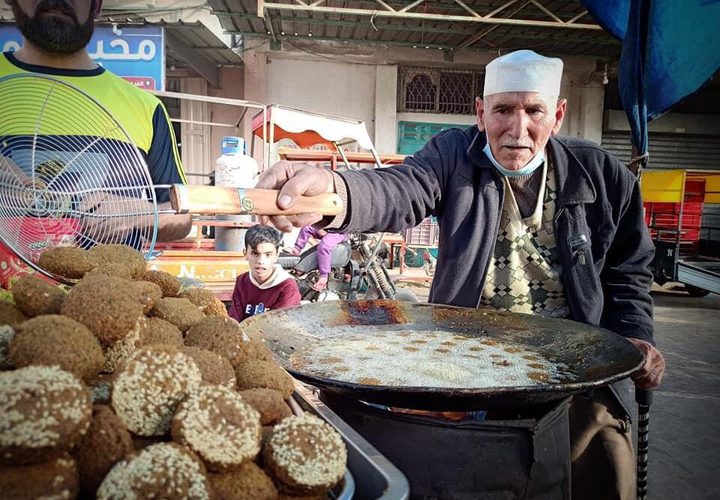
x=357, y=271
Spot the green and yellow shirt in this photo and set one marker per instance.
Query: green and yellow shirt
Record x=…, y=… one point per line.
x=141, y=115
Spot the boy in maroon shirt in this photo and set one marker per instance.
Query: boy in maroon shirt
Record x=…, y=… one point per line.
x=267, y=285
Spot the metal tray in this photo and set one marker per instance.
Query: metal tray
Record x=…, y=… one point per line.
x=370, y=475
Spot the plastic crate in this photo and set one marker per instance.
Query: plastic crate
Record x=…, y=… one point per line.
x=424, y=234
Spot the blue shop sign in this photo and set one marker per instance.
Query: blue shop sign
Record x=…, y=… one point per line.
x=137, y=54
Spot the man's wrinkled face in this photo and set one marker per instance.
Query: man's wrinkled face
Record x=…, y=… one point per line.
x=518, y=125
x=55, y=26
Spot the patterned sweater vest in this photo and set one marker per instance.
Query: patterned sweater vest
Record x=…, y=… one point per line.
x=524, y=274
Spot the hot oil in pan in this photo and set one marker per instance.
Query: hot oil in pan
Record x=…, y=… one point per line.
x=433, y=358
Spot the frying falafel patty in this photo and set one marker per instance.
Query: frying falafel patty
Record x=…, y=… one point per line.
x=54, y=340
x=68, y=262
x=149, y=387
x=206, y=301
x=57, y=478
x=106, y=442
x=306, y=454
x=164, y=470
x=168, y=283
x=119, y=254
x=248, y=482
x=180, y=312
x=256, y=373
x=215, y=422
x=215, y=369
x=44, y=411
x=35, y=296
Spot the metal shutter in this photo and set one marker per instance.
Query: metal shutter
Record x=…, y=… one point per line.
x=670, y=150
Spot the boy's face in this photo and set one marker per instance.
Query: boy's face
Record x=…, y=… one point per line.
x=262, y=261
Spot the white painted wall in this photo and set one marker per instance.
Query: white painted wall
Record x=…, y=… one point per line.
x=342, y=89
x=231, y=86
x=360, y=82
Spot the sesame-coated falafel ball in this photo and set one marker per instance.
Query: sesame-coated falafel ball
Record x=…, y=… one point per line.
x=35, y=296
x=168, y=283
x=150, y=385
x=69, y=262
x=44, y=411
x=57, y=478
x=305, y=454
x=248, y=482
x=117, y=269
x=107, y=306
x=106, y=442
x=215, y=369
x=11, y=315
x=164, y=470
x=268, y=402
x=214, y=422
x=148, y=293
x=206, y=301
x=159, y=331
x=54, y=340
x=180, y=312
x=119, y=254
x=256, y=373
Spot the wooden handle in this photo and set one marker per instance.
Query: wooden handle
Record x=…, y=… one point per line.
x=208, y=200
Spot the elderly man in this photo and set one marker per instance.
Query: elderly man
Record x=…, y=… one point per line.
x=56, y=34
x=529, y=222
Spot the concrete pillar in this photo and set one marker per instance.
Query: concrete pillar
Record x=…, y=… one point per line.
x=386, y=109
x=194, y=138
x=585, y=102
x=592, y=103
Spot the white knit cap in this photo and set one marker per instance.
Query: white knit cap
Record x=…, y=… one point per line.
x=523, y=71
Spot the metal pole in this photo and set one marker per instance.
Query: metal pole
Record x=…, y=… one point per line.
x=644, y=400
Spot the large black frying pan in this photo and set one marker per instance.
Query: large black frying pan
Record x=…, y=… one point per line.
x=597, y=356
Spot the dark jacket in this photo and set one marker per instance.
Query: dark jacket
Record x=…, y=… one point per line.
x=599, y=228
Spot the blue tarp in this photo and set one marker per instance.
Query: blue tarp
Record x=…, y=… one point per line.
x=670, y=49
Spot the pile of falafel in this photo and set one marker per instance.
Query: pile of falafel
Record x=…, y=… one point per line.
x=128, y=386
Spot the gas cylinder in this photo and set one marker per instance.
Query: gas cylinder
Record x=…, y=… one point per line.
x=234, y=168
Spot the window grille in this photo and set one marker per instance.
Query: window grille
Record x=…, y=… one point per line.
x=432, y=90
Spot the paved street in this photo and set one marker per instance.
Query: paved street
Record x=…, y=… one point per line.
x=685, y=416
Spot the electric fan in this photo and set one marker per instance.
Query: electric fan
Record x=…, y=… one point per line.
x=71, y=175
x=66, y=167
